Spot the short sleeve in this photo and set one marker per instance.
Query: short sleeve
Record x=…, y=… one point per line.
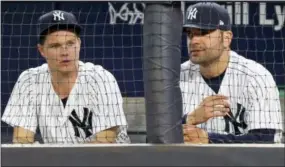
x=21, y=109
x=263, y=103
x=108, y=103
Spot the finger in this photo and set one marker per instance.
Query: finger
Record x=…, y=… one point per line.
x=220, y=108
x=188, y=129
x=226, y=104
x=219, y=114
x=221, y=102
x=212, y=103
x=185, y=132
x=217, y=102
x=186, y=138
x=214, y=97
x=189, y=126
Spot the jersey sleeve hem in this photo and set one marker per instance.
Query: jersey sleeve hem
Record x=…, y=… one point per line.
x=14, y=125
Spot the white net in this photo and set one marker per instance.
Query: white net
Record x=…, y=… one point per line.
x=112, y=37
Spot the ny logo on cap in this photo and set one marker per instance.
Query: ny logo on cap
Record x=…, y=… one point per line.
x=192, y=13
x=58, y=15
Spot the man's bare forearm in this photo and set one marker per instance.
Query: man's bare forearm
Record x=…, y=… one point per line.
x=23, y=136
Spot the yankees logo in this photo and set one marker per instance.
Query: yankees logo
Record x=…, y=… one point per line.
x=58, y=15
x=192, y=12
x=240, y=114
x=85, y=124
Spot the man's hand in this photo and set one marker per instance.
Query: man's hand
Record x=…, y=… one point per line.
x=211, y=106
x=106, y=136
x=23, y=136
x=195, y=135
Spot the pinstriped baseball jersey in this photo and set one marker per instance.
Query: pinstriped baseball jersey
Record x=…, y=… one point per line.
x=94, y=104
x=252, y=91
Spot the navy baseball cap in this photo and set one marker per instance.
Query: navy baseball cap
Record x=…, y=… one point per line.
x=57, y=20
x=208, y=16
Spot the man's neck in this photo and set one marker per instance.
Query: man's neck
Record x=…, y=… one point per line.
x=63, y=83
x=217, y=67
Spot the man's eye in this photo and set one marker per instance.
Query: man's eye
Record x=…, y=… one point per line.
x=204, y=32
x=70, y=43
x=198, y=33
x=54, y=46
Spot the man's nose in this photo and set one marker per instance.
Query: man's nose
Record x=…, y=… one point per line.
x=64, y=50
x=194, y=40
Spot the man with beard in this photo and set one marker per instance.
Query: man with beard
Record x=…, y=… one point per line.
x=227, y=98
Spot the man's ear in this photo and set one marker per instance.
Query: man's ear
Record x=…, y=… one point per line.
x=228, y=36
x=79, y=41
x=41, y=50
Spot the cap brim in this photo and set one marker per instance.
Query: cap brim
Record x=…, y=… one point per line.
x=77, y=28
x=198, y=26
